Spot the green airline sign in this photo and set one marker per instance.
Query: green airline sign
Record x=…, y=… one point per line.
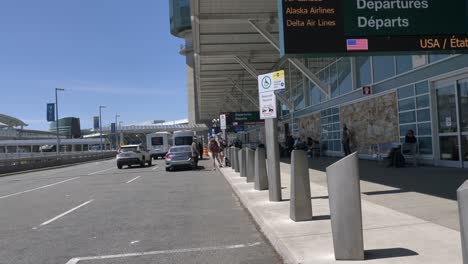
x=353, y=27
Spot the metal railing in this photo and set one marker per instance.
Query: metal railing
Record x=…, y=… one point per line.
x=14, y=162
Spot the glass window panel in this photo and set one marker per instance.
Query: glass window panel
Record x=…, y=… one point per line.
x=333, y=80
x=404, y=129
x=447, y=112
x=330, y=119
x=384, y=67
x=407, y=117
x=424, y=129
x=337, y=145
x=336, y=126
x=422, y=87
x=344, y=76
x=407, y=104
x=328, y=111
x=437, y=57
x=405, y=92
x=449, y=148
x=463, y=94
x=363, y=67
x=422, y=101
x=323, y=112
x=425, y=145
x=424, y=115
x=336, y=118
x=404, y=63
x=335, y=110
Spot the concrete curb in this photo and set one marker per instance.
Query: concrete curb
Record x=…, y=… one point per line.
x=278, y=245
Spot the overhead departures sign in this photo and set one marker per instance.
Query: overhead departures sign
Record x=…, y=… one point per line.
x=350, y=27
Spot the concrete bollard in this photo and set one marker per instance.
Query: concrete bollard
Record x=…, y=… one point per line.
x=462, y=197
x=242, y=163
x=345, y=208
x=227, y=159
x=250, y=170
x=261, y=177
x=236, y=159
x=300, y=208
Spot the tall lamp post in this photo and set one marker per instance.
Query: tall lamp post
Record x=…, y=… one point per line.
x=116, y=133
x=100, y=125
x=57, y=119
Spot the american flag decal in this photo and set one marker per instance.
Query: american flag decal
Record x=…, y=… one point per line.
x=357, y=44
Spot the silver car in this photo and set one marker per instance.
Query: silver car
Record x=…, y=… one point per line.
x=178, y=157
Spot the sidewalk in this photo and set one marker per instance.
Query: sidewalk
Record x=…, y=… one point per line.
x=390, y=234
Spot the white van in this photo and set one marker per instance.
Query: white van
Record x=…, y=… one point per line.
x=158, y=144
x=183, y=137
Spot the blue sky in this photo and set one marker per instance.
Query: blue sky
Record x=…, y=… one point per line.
x=117, y=53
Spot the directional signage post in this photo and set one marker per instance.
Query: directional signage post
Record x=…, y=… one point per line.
x=267, y=85
x=352, y=27
x=50, y=112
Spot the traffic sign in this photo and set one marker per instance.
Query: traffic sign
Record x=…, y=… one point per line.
x=222, y=121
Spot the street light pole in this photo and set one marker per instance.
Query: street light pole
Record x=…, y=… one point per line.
x=100, y=125
x=116, y=134
x=57, y=119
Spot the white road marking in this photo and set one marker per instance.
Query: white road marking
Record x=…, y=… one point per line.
x=96, y=172
x=38, y=188
x=133, y=179
x=64, y=214
x=155, y=168
x=76, y=260
x=134, y=242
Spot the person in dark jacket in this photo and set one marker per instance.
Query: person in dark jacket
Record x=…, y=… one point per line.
x=345, y=138
x=200, y=148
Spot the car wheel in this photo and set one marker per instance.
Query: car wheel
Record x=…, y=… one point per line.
x=168, y=169
x=142, y=162
x=150, y=163
x=156, y=157
x=119, y=166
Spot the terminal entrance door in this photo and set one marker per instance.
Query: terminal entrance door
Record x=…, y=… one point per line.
x=452, y=122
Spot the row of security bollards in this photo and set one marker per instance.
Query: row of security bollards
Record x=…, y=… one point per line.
x=250, y=164
x=343, y=190
x=344, y=197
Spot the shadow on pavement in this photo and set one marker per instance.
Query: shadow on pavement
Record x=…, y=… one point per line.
x=388, y=253
x=436, y=181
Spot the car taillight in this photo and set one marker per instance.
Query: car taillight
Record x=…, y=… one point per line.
x=169, y=156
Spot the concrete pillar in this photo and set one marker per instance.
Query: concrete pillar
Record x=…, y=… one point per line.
x=250, y=158
x=345, y=208
x=462, y=197
x=300, y=208
x=261, y=178
x=273, y=159
x=236, y=159
x=227, y=152
x=242, y=163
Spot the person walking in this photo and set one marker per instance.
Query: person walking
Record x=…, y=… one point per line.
x=195, y=153
x=214, y=149
x=345, y=138
x=200, y=149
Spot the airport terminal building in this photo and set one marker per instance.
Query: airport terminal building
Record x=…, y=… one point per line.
x=379, y=98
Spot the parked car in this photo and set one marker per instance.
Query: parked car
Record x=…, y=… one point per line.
x=178, y=157
x=133, y=154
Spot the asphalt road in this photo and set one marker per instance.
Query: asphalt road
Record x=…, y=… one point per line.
x=96, y=214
